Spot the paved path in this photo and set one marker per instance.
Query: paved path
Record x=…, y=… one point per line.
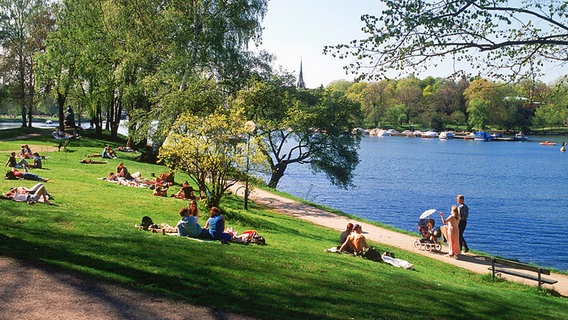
x=467, y=261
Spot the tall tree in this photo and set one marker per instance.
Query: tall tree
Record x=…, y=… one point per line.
x=498, y=37
x=20, y=21
x=304, y=127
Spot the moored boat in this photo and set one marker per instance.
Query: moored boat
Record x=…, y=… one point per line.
x=444, y=135
x=520, y=137
x=429, y=134
x=482, y=136
x=547, y=143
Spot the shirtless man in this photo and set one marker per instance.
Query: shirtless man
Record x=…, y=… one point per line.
x=356, y=241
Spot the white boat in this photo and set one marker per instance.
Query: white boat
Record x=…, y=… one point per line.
x=48, y=122
x=429, y=134
x=407, y=133
x=444, y=135
x=393, y=132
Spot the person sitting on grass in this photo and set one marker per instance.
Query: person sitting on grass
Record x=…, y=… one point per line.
x=355, y=241
x=25, y=152
x=16, y=174
x=31, y=196
x=188, y=226
x=186, y=192
x=160, y=191
x=215, y=226
x=108, y=153
x=37, y=161
x=122, y=171
x=13, y=163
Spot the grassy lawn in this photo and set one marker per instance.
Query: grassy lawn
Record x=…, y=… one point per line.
x=91, y=231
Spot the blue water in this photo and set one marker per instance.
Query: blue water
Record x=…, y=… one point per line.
x=516, y=191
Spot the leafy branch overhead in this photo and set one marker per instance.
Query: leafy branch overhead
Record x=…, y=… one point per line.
x=496, y=37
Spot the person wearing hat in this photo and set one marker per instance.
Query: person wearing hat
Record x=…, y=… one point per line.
x=355, y=241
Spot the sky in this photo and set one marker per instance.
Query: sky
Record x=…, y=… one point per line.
x=298, y=30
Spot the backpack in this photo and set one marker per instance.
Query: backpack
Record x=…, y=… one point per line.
x=146, y=222
x=372, y=254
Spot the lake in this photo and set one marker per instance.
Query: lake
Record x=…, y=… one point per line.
x=516, y=191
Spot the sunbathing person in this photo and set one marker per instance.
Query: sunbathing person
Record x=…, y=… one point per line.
x=186, y=192
x=16, y=174
x=109, y=153
x=25, y=152
x=31, y=196
x=12, y=162
x=122, y=171
x=356, y=241
x=160, y=191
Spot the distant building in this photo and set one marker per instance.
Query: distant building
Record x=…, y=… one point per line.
x=301, y=83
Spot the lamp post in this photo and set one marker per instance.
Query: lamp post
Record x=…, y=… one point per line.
x=250, y=126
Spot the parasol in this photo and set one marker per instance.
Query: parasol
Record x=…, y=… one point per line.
x=427, y=213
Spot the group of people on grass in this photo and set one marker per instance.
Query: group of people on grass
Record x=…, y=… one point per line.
x=214, y=228
x=37, y=193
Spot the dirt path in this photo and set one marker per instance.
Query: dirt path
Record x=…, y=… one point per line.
x=33, y=292
x=467, y=261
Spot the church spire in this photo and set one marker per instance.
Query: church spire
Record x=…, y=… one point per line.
x=301, y=83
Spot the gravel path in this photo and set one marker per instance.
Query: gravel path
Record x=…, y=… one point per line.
x=467, y=261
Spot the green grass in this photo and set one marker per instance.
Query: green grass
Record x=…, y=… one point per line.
x=91, y=231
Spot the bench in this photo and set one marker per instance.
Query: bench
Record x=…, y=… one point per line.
x=499, y=265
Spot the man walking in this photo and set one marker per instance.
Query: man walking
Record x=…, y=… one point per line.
x=463, y=212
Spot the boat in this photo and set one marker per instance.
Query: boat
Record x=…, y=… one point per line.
x=520, y=137
x=407, y=133
x=48, y=122
x=393, y=132
x=547, y=143
x=444, y=135
x=483, y=136
x=429, y=134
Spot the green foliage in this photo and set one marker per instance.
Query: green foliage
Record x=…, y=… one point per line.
x=499, y=38
x=303, y=126
x=215, y=151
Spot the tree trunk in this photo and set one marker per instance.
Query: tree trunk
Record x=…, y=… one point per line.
x=61, y=104
x=277, y=174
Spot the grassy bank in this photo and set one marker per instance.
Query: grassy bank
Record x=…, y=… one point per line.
x=91, y=231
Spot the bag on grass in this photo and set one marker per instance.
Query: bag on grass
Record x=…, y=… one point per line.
x=372, y=254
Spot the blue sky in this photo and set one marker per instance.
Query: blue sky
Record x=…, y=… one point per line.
x=297, y=30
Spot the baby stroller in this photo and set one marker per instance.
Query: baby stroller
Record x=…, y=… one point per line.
x=430, y=235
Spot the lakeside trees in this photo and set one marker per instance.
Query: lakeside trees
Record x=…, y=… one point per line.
x=158, y=62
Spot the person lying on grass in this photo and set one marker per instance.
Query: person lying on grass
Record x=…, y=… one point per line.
x=37, y=193
x=16, y=174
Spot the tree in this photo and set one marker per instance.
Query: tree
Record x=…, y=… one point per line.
x=489, y=104
x=554, y=110
x=20, y=22
x=213, y=150
x=497, y=37
x=409, y=93
x=306, y=127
